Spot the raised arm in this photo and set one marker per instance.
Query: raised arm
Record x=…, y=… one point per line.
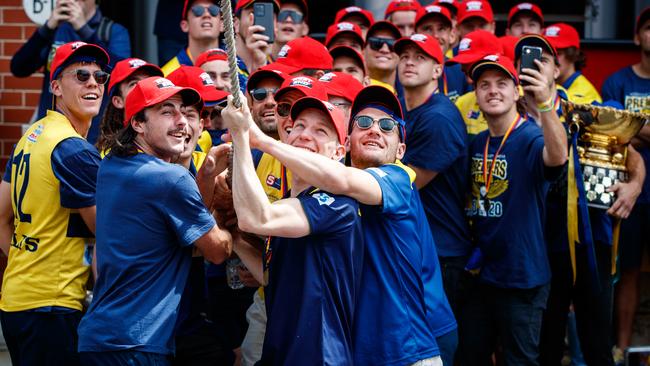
x=255, y=214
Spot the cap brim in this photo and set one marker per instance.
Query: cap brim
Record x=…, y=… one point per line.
x=466, y=58
x=535, y=41
x=400, y=44
x=480, y=67
x=430, y=15
x=260, y=74
x=475, y=15
x=525, y=11
x=348, y=51
x=280, y=67
x=152, y=69
x=311, y=102
x=375, y=94
x=384, y=25
x=350, y=32
x=88, y=49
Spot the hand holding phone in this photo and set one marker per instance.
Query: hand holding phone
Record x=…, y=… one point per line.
x=528, y=56
x=264, y=16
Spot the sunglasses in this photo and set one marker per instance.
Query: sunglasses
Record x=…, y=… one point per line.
x=83, y=75
x=199, y=10
x=295, y=16
x=385, y=124
x=376, y=43
x=284, y=109
x=259, y=94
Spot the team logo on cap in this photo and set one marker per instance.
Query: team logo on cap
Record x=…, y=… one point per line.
x=402, y=3
x=474, y=6
x=446, y=1
x=284, y=51
x=302, y=81
x=525, y=6
x=419, y=37
x=163, y=83
x=327, y=77
x=205, y=79
x=329, y=106
x=552, y=32
x=433, y=9
x=352, y=9
x=345, y=26
x=77, y=44
x=136, y=62
x=494, y=58
x=464, y=44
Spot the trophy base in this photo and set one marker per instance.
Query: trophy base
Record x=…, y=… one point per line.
x=597, y=179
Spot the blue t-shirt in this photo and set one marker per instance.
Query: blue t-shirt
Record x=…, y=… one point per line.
x=508, y=224
x=453, y=82
x=632, y=91
x=392, y=326
x=313, y=285
x=149, y=213
x=436, y=140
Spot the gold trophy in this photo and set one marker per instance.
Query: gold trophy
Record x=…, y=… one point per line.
x=604, y=133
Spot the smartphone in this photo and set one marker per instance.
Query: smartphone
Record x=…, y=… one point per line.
x=528, y=55
x=264, y=16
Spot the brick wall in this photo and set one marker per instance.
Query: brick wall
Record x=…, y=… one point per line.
x=18, y=96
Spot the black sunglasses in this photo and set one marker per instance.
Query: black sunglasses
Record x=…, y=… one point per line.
x=376, y=43
x=295, y=16
x=83, y=75
x=385, y=124
x=259, y=94
x=283, y=109
x=199, y=10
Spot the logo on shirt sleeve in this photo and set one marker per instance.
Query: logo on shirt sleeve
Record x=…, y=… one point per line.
x=379, y=172
x=323, y=198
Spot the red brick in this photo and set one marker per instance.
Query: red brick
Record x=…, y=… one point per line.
x=12, y=3
x=5, y=65
x=11, y=31
x=11, y=47
x=8, y=146
x=11, y=132
x=28, y=30
x=15, y=16
x=17, y=115
x=31, y=99
x=11, y=99
x=32, y=82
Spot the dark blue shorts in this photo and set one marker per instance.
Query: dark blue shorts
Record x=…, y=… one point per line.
x=41, y=338
x=635, y=236
x=124, y=358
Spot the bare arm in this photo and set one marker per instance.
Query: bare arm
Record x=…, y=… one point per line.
x=215, y=245
x=422, y=176
x=6, y=217
x=627, y=193
x=321, y=172
x=88, y=214
x=254, y=212
x=250, y=255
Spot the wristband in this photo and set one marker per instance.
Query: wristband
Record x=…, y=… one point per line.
x=547, y=104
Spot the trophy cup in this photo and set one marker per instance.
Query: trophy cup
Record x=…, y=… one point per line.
x=604, y=133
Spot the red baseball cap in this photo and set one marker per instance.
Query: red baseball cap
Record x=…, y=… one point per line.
x=535, y=40
x=451, y=5
x=474, y=46
x=562, y=35
x=339, y=84
x=401, y=5
x=77, y=51
x=475, y=8
x=242, y=4
x=197, y=79
x=426, y=43
x=499, y=62
x=260, y=75
x=336, y=115
x=383, y=25
x=375, y=95
x=645, y=15
x=299, y=54
x=343, y=28
x=188, y=3
x=151, y=91
x=350, y=52
x=127, y=67
x=305, y=84
x=525, y=8
x=351, y=10
x=433, y=10
x=508, y=43
x=213, y=54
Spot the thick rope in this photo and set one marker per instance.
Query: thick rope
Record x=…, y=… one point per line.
x=229, y=38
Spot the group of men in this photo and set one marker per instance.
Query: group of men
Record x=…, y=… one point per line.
x=397, y=195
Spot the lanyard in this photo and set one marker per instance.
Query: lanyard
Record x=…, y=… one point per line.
x=487, y=176
x=283, y=181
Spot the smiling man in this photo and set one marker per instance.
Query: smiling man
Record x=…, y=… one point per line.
x=314, y=254
x=150, y=217
x=381, y=59
x=47, y=205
